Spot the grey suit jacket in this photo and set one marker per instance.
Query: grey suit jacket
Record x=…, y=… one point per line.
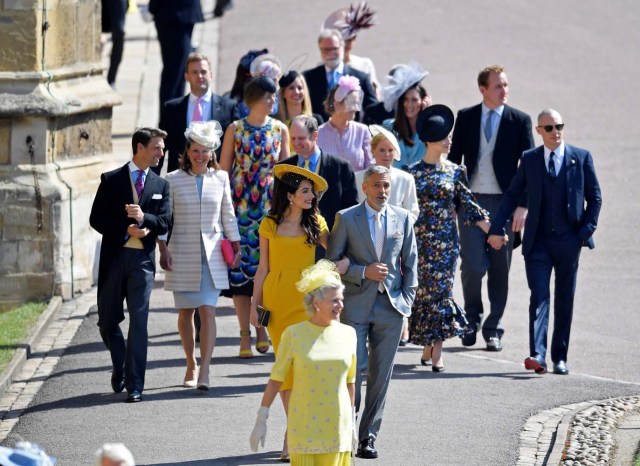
x=351, y=237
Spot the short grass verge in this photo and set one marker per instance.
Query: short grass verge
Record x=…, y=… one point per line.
x=14, y=328
x=636, y=461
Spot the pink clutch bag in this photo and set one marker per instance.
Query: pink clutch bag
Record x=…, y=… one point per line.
x=227, y=251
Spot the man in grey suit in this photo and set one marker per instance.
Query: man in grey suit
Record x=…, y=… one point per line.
x=380, y=286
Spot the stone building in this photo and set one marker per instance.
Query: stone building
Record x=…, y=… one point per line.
x=55, y=135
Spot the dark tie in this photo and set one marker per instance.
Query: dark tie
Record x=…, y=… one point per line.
x=139, y=182
x=552, y=165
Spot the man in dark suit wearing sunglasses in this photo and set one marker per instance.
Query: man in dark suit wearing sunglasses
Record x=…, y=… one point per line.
x=564, y=203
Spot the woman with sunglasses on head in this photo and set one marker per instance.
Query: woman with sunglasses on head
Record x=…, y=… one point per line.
x=440, y=185
x=250, y=150
x=342, y=136
x=203, y=216
x=288, y=239
x=404, y=94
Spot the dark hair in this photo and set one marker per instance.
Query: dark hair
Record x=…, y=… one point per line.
x=185, y=162
x=401, y=124
x=329, y=102
x=483, y=76
x=243, y=74
x=144, y=135
x=257, y=87
x=280, y=203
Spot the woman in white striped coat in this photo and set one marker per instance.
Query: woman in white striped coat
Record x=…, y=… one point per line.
x=203, y=216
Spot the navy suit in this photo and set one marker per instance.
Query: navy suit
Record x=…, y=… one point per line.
x=126, y=273
x=174, y=121
x=174, y=20
x=563, y=215
x=319, y=88
x=512, y=139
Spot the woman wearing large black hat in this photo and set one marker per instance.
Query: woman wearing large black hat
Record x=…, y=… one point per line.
x=439, y=184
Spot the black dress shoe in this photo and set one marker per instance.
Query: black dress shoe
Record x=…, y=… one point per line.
x=403, y=342
x=494, y=344
x=437, y=368
x=134, y=397
x=536, y=363
x=367, y=450
x=469, y=339
x=560, y=368
x=117, y=381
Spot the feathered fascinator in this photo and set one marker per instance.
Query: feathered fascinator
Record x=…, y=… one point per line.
x=350, y=20
x=347, y=84
x=403, y=77
x=206, y=133
x=322, y=273
x=266, y=65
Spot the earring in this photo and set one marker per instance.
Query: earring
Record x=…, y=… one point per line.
x=290, y=202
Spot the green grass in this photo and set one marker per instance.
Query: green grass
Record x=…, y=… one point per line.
x=636, y=462
x=14, y=328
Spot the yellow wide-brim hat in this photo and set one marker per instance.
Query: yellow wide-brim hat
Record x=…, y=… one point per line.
x=281, y=171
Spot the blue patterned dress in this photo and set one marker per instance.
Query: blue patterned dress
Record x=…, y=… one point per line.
x=436, y=316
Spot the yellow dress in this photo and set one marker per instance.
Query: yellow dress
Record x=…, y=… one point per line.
x=288, y=256
x=320, y=415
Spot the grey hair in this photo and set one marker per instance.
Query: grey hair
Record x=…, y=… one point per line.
x=549, y=112
x=115, y=452
x=318, y=294
x=375, y=170
x=327, y=33
x=308, y=122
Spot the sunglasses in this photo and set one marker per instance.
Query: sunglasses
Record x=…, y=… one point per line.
x=549, y=128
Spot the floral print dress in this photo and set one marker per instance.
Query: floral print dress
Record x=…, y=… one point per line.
x=257, y=149
x=436, y=316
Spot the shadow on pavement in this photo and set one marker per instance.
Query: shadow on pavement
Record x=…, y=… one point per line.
x=260, y=458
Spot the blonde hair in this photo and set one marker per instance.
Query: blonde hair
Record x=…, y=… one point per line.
x=377, y=139
x=283, y=114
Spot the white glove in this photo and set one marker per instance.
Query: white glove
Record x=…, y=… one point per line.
x=259, y=432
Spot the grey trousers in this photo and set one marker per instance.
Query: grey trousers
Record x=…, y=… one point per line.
x=478, y=260
x=382, y=330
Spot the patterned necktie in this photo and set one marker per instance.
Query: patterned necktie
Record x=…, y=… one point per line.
x=378, y=234
x=139, y=182
x=488, y=125
x=552, y=166
x=197, y=110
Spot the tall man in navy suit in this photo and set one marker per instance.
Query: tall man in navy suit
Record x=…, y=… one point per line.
x=130, y=210
x=564, y=203
x=174, y=20
x=323, y=78
x=201, y=104
x=489, y=138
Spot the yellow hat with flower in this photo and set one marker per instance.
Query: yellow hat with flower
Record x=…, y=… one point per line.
x=322, y=273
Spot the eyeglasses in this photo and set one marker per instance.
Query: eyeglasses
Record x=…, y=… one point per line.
x=329, y=49
x=549, y=128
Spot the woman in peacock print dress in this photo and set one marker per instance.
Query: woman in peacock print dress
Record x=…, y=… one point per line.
x=439, y=185
x=252, y=146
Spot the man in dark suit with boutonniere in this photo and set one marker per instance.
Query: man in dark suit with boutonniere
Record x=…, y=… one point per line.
x=564, y=202
x=130, y=210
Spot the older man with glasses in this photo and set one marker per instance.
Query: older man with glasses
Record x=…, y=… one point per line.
x=564, y=203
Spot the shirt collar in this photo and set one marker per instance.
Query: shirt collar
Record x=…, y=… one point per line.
x=371, y=212
x=313, y=158
x=134, y=168
x=339, y=69
x=485, y=110
x=205, y=98
x=558, y=151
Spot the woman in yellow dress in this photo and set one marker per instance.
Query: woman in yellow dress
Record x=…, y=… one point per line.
x=322, y=353
x=288, y=239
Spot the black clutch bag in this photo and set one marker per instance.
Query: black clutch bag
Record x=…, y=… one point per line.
x=263, y=316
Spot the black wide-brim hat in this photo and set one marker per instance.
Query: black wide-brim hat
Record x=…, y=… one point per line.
x=434, y=123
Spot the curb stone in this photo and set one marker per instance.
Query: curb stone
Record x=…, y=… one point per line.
x=25, y=348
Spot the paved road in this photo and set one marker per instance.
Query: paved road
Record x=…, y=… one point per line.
x=576, y=56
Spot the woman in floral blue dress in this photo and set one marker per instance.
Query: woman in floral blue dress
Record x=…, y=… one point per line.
x=439, y=184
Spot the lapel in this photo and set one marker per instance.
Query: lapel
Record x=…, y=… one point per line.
x=183, y=108
x=216, y=107
x=363, y=225
x=126, y=182
x=540, y=169
x=321, y=165
x=474, y=130
x=570, y=164
x=502, y=126
x=392, y=227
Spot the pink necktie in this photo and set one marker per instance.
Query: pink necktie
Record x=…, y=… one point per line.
x=139, y=185
x=197, y=111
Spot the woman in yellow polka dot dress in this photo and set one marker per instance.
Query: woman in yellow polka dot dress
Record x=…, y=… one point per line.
x=322, y=353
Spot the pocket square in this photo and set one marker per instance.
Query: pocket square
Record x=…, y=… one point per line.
x=156, y=196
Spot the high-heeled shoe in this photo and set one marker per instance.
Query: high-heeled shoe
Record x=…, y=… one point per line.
x=203, y=384
x=426, y=361
x=284, y=455
x=190, y=378
x=245, y=353
x=437, y=368
x=262, y=346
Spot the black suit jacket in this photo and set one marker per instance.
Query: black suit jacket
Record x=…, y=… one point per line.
x=109, y=218
x=583, y=194
x=176, y=11
x=513, y=138
x=342, y=192
x=319, y=88
x=174, y=121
